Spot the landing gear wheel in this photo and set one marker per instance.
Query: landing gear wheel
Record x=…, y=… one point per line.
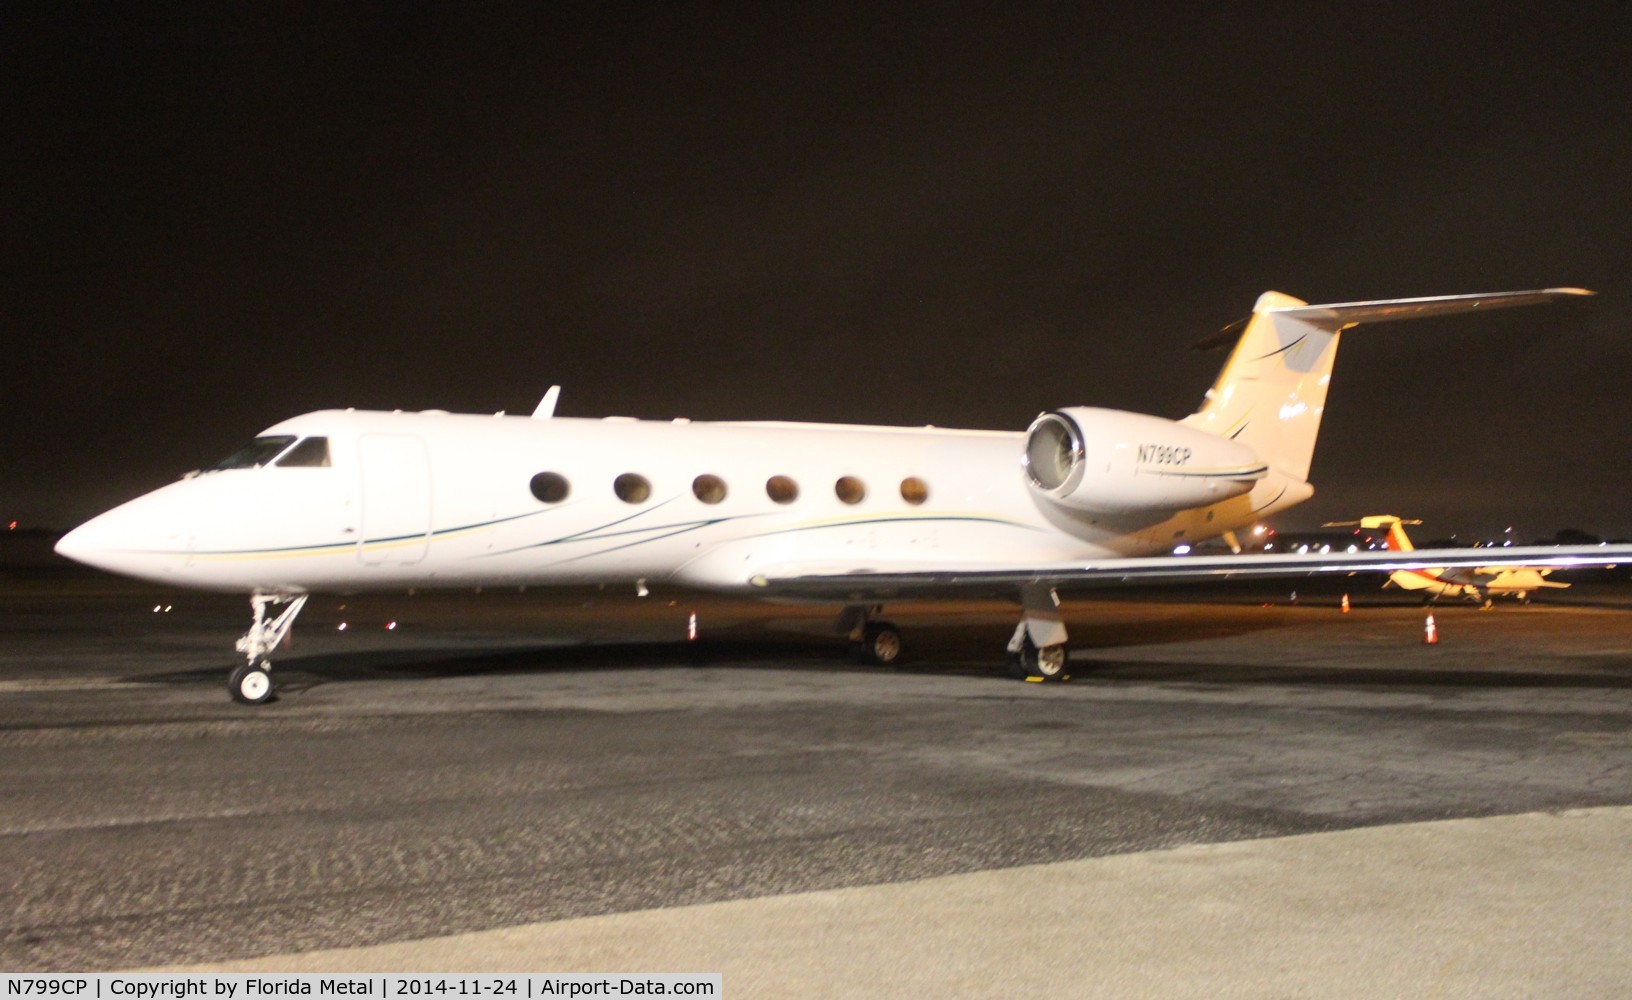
x=251, y=685
x=880, y=644
x=1032, y=663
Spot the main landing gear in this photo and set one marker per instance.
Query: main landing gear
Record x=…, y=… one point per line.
x=251, y=682
x=1037, y=650
x=871, y=640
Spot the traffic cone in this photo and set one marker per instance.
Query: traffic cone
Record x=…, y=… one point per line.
x=1430, y=634
x=1345, y=603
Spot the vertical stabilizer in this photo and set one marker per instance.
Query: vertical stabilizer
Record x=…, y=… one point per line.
x=1272, y=392
x=1396, y=540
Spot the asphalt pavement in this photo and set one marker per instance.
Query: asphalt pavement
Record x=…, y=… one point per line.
x=1232, y=797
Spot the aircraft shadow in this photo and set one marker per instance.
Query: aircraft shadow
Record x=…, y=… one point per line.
x=433, y=663
x=962, y=651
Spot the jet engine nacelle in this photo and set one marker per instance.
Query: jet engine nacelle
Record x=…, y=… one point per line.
x=1111, y=462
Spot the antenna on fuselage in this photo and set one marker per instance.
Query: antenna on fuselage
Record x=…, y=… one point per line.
x=546, y=406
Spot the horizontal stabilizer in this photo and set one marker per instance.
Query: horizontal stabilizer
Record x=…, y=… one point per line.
x=1336, y=316
x=1372, y=521
x=1341, y=315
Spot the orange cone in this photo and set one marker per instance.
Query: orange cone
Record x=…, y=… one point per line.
x=1345, y=603
x=1430, y=634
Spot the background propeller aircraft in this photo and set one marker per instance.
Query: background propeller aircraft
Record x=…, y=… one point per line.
x=1476, y=583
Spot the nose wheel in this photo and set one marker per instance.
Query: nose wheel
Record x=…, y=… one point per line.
x=251, y=682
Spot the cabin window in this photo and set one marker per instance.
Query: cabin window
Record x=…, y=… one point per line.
x=312, y=453
x=850, y=489
x=550, y=487
x=256, y=453
x=782, y=489
x=632, y=487
x=914, y=490
x=708, y=489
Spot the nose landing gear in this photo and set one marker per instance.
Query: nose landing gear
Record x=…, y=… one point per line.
x=251, y=682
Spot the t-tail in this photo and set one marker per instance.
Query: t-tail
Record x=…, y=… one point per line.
x=1271, y=393
x=1395, y=541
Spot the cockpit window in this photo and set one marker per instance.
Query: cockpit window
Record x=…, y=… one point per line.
x=312, y=453
x=256, y=453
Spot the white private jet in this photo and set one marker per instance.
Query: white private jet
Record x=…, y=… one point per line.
x=347, y=501
x=1477, y=583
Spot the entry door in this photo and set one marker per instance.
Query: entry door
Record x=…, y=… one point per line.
x=396, y=489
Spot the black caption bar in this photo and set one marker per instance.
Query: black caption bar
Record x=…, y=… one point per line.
x=389, y=986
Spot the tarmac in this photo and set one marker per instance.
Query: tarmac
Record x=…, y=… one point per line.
x=1236, y=796
x=1536, y=905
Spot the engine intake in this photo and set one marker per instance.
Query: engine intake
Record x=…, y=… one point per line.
x=1112, y=462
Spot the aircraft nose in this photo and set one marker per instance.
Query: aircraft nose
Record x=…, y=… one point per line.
x=129, y=539
x=73, y=545
x=92, y=543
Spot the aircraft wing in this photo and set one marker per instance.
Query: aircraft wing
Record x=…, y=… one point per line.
x=834, y=581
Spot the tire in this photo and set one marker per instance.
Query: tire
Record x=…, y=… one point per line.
x=1046, y=664
x=880, y=644
x=251, y=685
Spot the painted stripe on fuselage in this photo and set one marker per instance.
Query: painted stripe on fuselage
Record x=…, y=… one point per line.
x=324, y=548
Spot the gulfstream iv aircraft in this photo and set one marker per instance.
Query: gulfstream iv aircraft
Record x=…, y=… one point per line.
x=345, y=501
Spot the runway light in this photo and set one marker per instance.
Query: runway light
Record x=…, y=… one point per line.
x=391, y=626
x=341, y=627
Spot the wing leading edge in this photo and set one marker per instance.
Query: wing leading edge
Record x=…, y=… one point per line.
x=847, y=582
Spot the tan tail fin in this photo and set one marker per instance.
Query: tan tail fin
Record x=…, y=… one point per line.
x=1271, y=393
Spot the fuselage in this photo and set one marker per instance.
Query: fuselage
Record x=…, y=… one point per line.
x=1477, y=583
x=406, y=500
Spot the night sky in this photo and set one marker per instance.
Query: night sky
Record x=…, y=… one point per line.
x=950, y=214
